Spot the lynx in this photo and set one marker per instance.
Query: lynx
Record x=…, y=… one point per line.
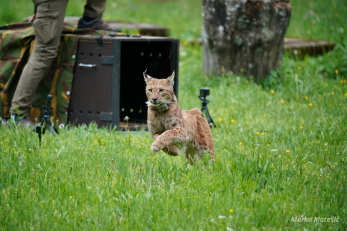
x=174, y=129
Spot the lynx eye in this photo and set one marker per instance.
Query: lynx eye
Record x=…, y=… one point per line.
x=161, y=90
x=150, y=90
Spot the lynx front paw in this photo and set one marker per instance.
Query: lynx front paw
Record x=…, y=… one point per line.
x=155, y=148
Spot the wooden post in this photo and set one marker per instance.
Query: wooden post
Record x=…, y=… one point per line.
x=243, y=36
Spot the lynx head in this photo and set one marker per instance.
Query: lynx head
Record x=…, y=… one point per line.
x=159, y=91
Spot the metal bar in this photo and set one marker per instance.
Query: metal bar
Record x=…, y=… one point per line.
x=87, y=65
x=116, y=82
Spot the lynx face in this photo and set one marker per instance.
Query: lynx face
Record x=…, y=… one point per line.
x=159, y=91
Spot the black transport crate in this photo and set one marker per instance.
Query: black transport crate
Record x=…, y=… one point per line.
x=108, y=82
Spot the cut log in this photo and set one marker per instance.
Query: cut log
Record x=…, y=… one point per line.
x=243, y=36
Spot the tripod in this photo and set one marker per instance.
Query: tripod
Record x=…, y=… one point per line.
x=45, y=121
x=204, y=109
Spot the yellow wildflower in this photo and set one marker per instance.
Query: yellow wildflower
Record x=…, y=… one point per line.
x=299, y=68
x=336, y=71
x=220, y=120
x=257, y=133
x=301, y=127
x=272, y=91
x=265, y=115
x=288, y=151
x=263, y=133
x=233, y=121
x=259, y=156
x=341, y=81
x=346, y=94
x=310, y=104
x=240, y=143
x=332, y=93
x=231, y=210
x=306, y=97
x=282, y=101
x=185, y=42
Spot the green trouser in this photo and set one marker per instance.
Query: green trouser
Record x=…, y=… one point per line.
x=48, y=26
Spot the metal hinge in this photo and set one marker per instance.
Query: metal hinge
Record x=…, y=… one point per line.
x=107, y=117
x=107, y=60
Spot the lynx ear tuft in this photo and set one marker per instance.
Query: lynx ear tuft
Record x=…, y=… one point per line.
x=147, y=77
x=171, y=79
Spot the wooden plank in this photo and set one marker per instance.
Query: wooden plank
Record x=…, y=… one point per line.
x=298, y=46
x=143, y=28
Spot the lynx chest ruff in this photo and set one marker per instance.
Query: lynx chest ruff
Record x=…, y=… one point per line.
x=172, y=127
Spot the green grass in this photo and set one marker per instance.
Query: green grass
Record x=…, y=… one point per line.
x=277, y=157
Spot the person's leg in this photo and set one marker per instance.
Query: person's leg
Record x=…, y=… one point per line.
x=48, y=26
x=94, y=8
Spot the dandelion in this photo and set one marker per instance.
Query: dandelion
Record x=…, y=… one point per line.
x=247, y=81
x=282, y=101
x=233, y=121
x=240, y=143
x=288, y=151
x=332, y=93
x=257, y=133
x=272, y=91
x=231, y=210
x=301, y=127
x=346, y=94
x=306, y=97
x=220, y=120
x=259, y=156
x=310, y=104
x=185, y=42
x=340, y=104
x=341, y=81
x=265, y=115
x=263, y=133
x=336, y=71
x=299, y=68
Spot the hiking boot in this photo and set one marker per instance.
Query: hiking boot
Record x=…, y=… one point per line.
x=21, y=120
x=97, y=24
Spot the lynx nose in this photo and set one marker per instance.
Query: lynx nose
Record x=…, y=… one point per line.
x=154, y=99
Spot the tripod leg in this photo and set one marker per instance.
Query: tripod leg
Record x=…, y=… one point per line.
x=209, y=119
x=50, y=127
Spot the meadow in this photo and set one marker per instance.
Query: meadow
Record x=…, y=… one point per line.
x=281, y=147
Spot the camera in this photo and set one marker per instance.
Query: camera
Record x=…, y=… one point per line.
x=49, y=99
x=204, y=91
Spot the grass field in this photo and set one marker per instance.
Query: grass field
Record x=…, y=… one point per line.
x=281, y=149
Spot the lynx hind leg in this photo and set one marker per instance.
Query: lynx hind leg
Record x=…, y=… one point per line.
x=171, y=149
x=192, y=155
x=203, y=139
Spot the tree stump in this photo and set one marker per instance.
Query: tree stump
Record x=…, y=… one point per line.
x=243, y=36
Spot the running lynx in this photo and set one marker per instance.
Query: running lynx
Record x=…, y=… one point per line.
x=174, y=129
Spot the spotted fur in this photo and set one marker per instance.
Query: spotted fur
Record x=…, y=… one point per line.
x=174, y=129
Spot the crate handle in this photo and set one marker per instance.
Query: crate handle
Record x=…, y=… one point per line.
x=86, y=65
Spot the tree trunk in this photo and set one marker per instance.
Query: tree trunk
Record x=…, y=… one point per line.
x=243, y=36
